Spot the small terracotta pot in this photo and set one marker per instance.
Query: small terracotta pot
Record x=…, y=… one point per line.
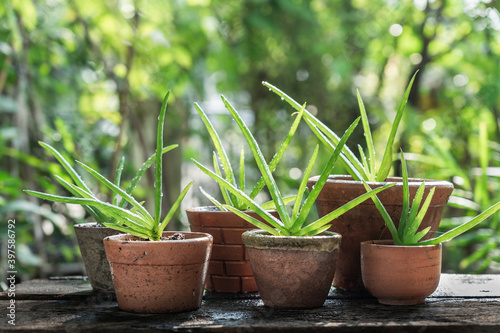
x=292, y=272
x=89, y=237
x=400, y=275
x=159, y=277
x=229, y=269
x=364, y=222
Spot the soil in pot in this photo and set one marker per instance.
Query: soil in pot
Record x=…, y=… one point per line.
x=229, y=269
x=159, y=277
x=89, y=237
x=365, y=222
x=292, y=272
x=400, y=275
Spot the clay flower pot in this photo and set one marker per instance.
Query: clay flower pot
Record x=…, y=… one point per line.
x=292, y=271
x=159, y=277
x=400, y=275
x=365, y=222
x=89, y=237
x=229, y=269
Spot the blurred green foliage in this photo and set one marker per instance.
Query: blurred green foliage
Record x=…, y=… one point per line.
x=88, y=76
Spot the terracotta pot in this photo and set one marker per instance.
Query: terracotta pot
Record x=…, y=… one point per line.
x=292, y=272
x=400, y=275
x=229, y=269
x=159, y=277
x=89, y=237
x=364, y=222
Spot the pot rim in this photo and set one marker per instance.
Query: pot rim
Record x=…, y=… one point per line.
x=347, y=179
x=261, y=239
x=198, y=237
x=388, y=243
x=263, y=233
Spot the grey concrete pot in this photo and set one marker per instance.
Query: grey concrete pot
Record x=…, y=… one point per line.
x=89, y=237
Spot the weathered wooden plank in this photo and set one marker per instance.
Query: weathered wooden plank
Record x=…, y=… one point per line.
x=459, y=315
x=55, y=288
x=462, y=304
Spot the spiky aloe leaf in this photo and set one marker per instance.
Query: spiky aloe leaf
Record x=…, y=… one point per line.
x=311, y=199
x=370, y=166
x=226, y=164
x=158, y=163
x=262, y=165
x=386, y=165
x=328, y=218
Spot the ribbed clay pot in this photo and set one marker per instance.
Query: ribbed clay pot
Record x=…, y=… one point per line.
x=229, y=269
x=364, y=222
x=292, y=272
x=400, y=275
x=161, y=276
x=89, y=237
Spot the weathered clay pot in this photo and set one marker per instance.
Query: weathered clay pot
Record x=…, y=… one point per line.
x=89, y=237
x=292, y=272
x=364, y=222
x=400, y=275
x=159, y=277
x=229, y=269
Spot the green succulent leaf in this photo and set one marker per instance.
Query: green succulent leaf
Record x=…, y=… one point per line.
x=228, y=199
x=245, y=198
x=463, y=227
x=226, y=164
x=415, y=223
x=311, y=199
x=158, y=162
x=118, y=177
x=328, y=218
x=66, y=165
x=281, y=151
x=122, y=193
x=172, y=210
x=387, y=218
x=96, y=213
x=253, y=221
x=386, y=165
x=349, y=160
x=134, y=221
x=370, y=167
x=262, y=165
x=137, y=178
x=302, y=189
x=212, y=199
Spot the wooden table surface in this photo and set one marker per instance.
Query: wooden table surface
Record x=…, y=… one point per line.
x=462, y=303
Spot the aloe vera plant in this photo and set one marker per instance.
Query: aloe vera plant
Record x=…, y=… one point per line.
x=364, y=167
x=411, y=217
x=293, y=224
x=221, y=163
x=135, y=220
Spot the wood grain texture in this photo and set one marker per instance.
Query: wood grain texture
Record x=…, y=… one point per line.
x=462, y=303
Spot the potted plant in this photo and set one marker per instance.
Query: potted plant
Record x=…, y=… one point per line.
x=153, y=271
x=229, y=269
x=406, y=269
x=293, y=261
x=365, y=222
x=90, y=235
